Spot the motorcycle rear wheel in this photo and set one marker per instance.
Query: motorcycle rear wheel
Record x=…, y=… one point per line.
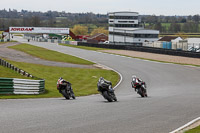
x=114, y=97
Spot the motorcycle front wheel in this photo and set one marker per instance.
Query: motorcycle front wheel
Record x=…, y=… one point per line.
x=73, y=96
x=106, y=96
x=141, y=92
x=65, y=94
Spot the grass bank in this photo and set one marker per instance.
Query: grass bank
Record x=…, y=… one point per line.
x=194, y=130
x=49, y=54
x=84, y=81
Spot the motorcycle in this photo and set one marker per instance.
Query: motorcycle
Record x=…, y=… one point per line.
x=140, y=88
x=65, y=89
x=105, y=88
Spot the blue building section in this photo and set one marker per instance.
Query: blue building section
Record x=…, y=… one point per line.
x=167, y=45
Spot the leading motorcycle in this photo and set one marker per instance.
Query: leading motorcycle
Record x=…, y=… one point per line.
x=140, y=87
x=65, y=89
x=105, y=88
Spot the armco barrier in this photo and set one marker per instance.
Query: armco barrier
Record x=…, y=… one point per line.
x=21, y=86
x=144, y=49
x=22, y=72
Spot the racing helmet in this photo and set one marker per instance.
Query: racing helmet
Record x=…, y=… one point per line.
x=133, y=76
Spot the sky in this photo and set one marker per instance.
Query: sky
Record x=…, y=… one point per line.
x=144, y=7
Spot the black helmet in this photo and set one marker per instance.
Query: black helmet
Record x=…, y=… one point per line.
x=101, y=78
x=60, y=78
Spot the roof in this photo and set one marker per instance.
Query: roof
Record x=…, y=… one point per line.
x=96, y=35
x=168, y=38
x=122, y=12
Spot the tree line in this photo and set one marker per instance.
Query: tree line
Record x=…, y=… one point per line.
x=173, y=24
x=165, y=24
x=50, y=19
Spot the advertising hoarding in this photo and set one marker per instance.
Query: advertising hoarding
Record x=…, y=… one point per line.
x=41, y=30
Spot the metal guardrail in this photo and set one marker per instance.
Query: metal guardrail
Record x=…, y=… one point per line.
x=21, y=86
x=22, y=72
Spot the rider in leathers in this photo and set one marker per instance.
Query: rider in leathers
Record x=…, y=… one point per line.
x=106, y=82
x=59, y=83
x=136, y=80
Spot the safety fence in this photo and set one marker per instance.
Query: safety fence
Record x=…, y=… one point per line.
x=144, y=49
x=21, y=86
x=181, y=45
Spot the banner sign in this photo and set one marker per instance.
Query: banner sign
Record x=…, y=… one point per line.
x=44, y=30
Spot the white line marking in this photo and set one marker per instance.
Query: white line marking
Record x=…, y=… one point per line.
x=186, y=125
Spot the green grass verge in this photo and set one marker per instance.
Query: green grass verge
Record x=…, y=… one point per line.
x=2, y=42
x=84, y=81
x=49, y=54
x=83, y=47
x=195, y=130
x=9, y=73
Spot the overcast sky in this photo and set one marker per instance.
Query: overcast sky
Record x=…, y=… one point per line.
x=144, y=7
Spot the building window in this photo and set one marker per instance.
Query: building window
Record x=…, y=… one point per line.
x=134, y=35
x=122, y=21
x=111, y=17
x=127, y=25
x=123, y=17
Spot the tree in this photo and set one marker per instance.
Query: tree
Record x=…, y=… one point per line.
x=27, y=21
x=158, y=26
x=35, y=21
x=13, y=22
x=196, y=18
x=99, y=30
x=51, y=22
x=80, y=30
x=174, y=28
x=191, y=27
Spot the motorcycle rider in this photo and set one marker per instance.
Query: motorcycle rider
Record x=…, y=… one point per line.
x=59, y=83
x=101, y=79
x=137, y=80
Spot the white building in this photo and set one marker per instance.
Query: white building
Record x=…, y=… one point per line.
x=125, y=27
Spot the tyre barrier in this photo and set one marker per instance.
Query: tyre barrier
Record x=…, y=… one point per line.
x=21, y=86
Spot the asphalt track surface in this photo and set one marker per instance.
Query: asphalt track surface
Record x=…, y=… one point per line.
x=174, y=95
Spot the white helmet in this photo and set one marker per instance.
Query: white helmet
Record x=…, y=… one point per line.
x=134, y=76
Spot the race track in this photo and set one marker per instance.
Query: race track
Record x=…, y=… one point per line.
x=174, y=95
